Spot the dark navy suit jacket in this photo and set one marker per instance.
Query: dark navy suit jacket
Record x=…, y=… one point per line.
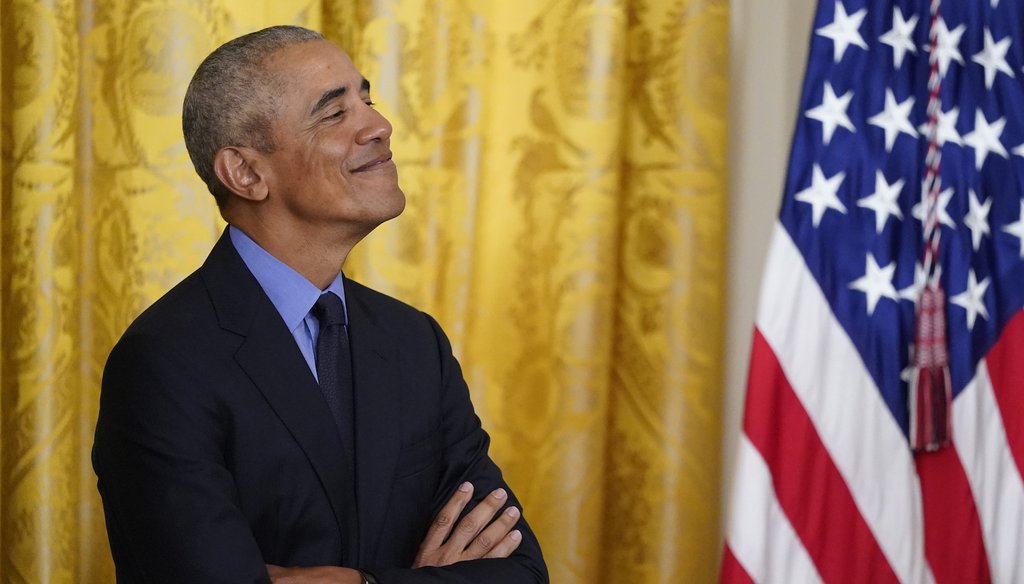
x=216, y=453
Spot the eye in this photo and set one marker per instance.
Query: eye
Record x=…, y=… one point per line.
x=336, y=114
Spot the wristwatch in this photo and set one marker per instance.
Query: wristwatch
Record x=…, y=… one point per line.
x=368, y=578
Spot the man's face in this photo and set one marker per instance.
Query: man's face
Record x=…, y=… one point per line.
x=332, y=166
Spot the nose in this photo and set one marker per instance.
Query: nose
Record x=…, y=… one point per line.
x=375, y=128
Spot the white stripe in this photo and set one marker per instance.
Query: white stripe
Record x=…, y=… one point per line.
x=980, y=439
x=758, y=532
x=842, y=401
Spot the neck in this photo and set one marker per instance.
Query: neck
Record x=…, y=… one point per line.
x=318, y=259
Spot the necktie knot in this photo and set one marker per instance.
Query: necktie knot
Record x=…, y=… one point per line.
x=329, y=310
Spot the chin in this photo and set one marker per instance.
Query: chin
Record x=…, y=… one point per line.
x=387, y=208
x=395, y=204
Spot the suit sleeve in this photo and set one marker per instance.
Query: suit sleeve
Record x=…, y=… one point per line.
x=169, y=501
x=466, y=453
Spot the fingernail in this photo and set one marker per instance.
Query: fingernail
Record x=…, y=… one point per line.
x=499, y=494
x=516, y=535
x=512, y=512
x=466, y=487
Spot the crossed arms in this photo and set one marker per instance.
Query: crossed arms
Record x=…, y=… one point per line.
x=477, y=535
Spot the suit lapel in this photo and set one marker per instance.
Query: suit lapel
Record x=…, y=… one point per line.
x=276, y=367
x=376, y=387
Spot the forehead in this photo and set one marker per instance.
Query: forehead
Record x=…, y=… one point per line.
x=310, y=68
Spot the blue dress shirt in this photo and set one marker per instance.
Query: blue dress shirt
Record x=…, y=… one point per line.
x=291, y=293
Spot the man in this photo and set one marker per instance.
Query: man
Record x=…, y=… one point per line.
x=237, y=442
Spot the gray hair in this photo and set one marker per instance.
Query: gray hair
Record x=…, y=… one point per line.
x=230, y=100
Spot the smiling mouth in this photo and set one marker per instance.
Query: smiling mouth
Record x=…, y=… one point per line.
x=375, y=163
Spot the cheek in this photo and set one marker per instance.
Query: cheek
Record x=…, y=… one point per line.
x=319, y=171
x=330, y=160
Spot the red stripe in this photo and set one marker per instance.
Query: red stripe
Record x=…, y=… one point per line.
x=732, y=570
x=807, y=483
x=952, y=532
x=953, y=535
x=1006, y=370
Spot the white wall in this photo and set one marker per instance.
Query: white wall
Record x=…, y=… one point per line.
x=769, y=40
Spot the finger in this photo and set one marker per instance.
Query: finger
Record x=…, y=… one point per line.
x=492, y=534
x=507, y=545
x=442, y=524
x=475, y=520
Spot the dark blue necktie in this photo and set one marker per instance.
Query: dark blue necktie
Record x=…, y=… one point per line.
x=334, y=363
x=334, y=370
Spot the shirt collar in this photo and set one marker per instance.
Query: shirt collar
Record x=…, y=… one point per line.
x=289, y=291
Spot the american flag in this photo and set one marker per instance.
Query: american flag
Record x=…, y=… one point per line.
x=912, y=114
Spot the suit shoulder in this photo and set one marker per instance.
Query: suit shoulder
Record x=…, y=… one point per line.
x=184, y=307
x=381, y=305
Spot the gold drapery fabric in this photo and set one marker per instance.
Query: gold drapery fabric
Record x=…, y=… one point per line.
x=564, y=162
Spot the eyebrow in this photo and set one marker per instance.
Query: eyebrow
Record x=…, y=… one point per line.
x=335, y=93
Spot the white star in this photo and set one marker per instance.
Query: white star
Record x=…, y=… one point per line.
x=876, y=283
x=843, y=30
x=1019, y=150
x=1016, y=228
x=985, y=138
x=899, y=36
x=946, y=46
x=993, y=58
x=977, y=219
x=821, y=195
x=913, y=291
x=895, y=118
x=920, y=210
x=972, y=299
x=883, y=200
x=945, y=129
x=832, y=112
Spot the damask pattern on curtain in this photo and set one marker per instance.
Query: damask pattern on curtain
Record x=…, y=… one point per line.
x=564, y=162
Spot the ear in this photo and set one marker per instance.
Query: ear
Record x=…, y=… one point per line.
x=237, y=167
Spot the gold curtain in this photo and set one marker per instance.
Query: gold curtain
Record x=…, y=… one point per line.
x=564, y=162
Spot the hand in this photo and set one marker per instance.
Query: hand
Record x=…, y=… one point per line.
x=313, y=575
x=473, y=538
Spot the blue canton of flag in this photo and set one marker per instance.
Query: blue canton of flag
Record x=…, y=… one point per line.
x=854, y=203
